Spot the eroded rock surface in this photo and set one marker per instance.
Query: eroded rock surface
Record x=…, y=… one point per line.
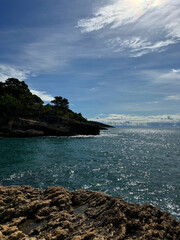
x=55, y=213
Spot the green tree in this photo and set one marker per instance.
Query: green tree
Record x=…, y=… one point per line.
x=1, y=88
x=10, y=106
x=16, y=100
x=48, y=109
x=79, y=117
x=33, y=105
x=61, y=104
x=29, y=104
x=15, y=87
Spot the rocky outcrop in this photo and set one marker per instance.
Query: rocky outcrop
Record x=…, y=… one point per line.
x=45, y=126
x=55, y=213
x=102, y=126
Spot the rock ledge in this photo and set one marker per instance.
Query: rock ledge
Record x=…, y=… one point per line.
x=31, y=214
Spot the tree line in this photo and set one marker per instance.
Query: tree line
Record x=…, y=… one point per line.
x=16, y=100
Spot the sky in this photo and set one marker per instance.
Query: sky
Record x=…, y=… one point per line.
x=115, y=60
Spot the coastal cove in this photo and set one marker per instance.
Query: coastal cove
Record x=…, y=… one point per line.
x=140, y=165
x=90, y=120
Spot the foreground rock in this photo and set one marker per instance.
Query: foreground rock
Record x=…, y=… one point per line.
x=55, y=213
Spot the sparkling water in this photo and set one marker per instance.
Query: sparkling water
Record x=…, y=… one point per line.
x=141, y=165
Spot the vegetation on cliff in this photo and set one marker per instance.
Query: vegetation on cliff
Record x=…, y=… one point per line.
x=16, y=100
x=23, y=114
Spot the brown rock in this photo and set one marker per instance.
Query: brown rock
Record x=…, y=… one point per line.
x=2, y=237
x=76, y=238
x=17, y=236
x=55, y=213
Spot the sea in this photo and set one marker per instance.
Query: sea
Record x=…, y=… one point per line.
x=140, y=165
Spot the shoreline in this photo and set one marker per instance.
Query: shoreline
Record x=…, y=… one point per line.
x=47, y=126
x=56, y=213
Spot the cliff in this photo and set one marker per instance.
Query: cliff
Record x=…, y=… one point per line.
x=45, y=126
x=24, y=114
x=56, y=213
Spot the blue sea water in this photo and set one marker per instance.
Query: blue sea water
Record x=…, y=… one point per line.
x=141, y=165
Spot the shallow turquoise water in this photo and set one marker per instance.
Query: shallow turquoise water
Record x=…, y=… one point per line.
x=141, y=165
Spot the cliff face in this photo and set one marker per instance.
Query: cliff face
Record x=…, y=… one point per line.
x=55, y=213
x=45, y=126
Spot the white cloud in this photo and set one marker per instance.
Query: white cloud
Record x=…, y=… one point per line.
x=46, y=49
x=132, y=120
x=46, y=53
x=138, y=46
x=154, y=102
x=54, y=48
x=140, y=26
x=162, y=77
x=173, y=97
x=43, y=95
x=118, y=13
x=94, y=89
x=172, y=77
x=7, y=71
x=176, y=70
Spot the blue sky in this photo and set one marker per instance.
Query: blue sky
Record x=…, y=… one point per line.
x=109, y=58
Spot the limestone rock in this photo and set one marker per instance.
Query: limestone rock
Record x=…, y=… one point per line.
x=55, y=213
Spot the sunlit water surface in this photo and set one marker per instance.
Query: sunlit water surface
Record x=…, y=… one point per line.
x=141, y=165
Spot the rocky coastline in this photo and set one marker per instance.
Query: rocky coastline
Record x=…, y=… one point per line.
x=24, y=114
x=46, y=126
x=55, y=213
